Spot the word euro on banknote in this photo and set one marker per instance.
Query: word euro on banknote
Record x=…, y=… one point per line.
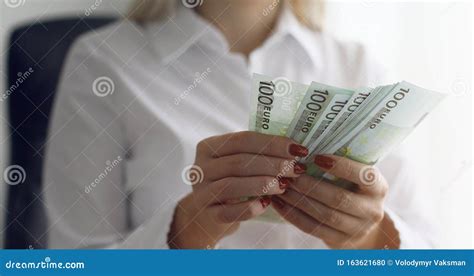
x=274, y=103
x=359, y=96
x=362, y=111
x=386, y=125
x=318, y=108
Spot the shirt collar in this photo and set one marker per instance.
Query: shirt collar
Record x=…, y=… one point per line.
x=289, y=26
x=172, y=37
x=185, y=28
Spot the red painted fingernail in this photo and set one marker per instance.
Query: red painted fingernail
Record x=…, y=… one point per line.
x=324, y=161
x=278, y=202
x=299, y=168
x=298, y=150
x=265, y=201
x=284, y=183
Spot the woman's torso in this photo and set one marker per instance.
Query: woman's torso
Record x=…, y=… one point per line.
x=175, y=83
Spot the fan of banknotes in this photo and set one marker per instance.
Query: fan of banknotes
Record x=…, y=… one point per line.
x=363, y=124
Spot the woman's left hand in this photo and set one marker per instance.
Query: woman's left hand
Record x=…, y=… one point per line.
x=341, y=218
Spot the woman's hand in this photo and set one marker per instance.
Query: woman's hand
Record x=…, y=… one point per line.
x=340, y=217
x=234, y=166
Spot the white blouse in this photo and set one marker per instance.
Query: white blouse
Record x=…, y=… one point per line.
x=135, y=100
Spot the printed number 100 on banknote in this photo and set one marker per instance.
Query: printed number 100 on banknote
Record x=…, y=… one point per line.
x=275, y=104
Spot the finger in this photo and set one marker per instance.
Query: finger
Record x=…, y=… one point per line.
x=368, y=178
x=231, y=188
x=329, y=216
x=251, y=142
x=306, y=223
x=333, y=196
x=246, y=164
x=228, y=213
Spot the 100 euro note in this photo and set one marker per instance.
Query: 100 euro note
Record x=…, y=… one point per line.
x=376, y=95
x=358, y=97
x=385, y=126
x=274, y=103
x=355, y=119
x=367, y=127
x=319, y=106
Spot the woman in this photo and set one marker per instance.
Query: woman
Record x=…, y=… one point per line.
x=141, y=100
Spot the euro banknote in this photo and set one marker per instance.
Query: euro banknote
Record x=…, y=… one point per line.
x=359, y=96
x=386, y=124
x=318, y=108
x=363, y=124
x=274, y=103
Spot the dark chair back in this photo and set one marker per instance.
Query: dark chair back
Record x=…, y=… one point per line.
x=36, y=55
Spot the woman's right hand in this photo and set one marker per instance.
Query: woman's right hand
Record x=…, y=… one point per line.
x=234, y=166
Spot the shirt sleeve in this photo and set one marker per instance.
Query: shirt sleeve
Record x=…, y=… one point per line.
x=86, y=158
x=408, y=203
